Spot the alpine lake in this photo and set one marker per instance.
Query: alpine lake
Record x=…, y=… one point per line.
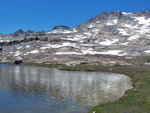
x=35, y=89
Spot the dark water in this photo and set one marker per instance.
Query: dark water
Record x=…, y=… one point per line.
x=26, y=89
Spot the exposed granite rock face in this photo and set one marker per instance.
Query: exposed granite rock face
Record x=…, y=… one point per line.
x=61, y=27
x=18, y=33
x=108, y=38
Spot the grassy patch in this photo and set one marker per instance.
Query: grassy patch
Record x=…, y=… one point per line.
x=148, y=60
x=136, y=100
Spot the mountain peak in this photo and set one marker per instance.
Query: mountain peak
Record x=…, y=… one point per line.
x=18, y=33
x=30, y=32
x=61, y=27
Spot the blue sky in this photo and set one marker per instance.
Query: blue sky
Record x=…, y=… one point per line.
x=40, y=15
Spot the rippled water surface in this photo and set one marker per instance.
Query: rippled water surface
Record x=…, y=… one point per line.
x=26, y=89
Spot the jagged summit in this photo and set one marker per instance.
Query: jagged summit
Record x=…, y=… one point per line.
x=30, y=31
x=18, y=33
x=61, y=27
x=21, y=33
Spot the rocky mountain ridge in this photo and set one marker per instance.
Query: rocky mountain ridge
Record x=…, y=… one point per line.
x=116, y=34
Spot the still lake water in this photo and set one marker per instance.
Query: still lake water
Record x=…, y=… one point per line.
x=27, y=89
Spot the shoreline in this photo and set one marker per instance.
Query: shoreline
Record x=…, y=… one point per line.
x=138, y=74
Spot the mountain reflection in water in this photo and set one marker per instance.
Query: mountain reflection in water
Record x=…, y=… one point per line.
x=54, y=90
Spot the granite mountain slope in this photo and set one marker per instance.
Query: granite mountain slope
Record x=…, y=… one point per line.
x=104, y=39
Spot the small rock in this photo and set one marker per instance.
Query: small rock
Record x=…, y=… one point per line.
x=18, y=62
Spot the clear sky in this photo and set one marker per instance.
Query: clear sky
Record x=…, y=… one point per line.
x=40, y=15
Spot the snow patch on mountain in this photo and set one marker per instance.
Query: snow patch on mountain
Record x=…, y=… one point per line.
x=112, y=22
x=91, y=26
x=113, y=52
x=109, y=42
x=48, y=46
x=147, y=51
x=77, y=37
x=34, y=51
x=62, y=31
x=125, y=13
x=125, y=43
x=17, y=53
x=92, y=52
x=87, y=33
x=130, y=26
x=123, y=32
x=133, y=37
x=4, y=40
x=89, y=51
x=28, y=46
x=68, y=53
x=145, y=22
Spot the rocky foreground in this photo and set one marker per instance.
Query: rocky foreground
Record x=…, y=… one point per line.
x=107, y=39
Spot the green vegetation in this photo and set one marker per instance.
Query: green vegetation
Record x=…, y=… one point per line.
x=46, y=65
x=148, y=60
x=136, y=100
